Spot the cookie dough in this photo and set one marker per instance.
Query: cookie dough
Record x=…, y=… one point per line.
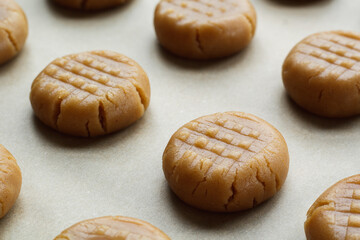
x=322, y=74
x=89, y=4
x=204, y=29
x=226, y=162
x=335, y=215
x=10, y=181
x=90, y=93
x=13, y=30
x=112, y=228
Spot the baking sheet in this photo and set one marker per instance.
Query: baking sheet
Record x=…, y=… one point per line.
x=67, y=179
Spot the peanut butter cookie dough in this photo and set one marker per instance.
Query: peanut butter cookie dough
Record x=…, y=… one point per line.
x=91, y=5
x=201, y=29
x=335, y=215
x=226, y=162
x=10, y=181
x=112, y=228
x=90, y=93
x=13, y=29
x=322, y=74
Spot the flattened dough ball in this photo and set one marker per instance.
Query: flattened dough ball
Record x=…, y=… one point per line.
x=204, y=29
x=322, y=74
x=335, y=215
x=112, y=228
x=90, y=93
x=13, y=29
x=91, y=5
x=226, y=162
x=10, y=181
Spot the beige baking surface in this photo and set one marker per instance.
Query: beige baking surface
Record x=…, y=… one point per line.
x=68, y=179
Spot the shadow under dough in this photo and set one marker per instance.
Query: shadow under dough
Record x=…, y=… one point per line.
x=79, y=13
x=192, y=64
x=14, y=61
x=54, y=137
x=315, y=120
x=13, y=214
x=299, y=2
x=213, y=220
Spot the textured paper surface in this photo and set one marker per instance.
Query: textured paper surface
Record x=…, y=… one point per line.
x=66, y=179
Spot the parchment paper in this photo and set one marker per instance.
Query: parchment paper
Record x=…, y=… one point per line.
x=67, y=179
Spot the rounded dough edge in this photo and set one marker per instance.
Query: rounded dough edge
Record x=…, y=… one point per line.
x=10, y=185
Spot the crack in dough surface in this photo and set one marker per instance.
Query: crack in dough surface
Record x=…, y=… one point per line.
x=322, y=74
x=91, y=93
x=222, y=162
x=13, y=30
x=335, y=214
x=205, y=29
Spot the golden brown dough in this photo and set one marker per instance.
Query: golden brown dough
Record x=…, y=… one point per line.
x=13, y=29
x=90, y=93
x=89, y=4
x=322, y=74
x=10, y=181
x=335, y=215
x=226, y=162
x=112, y=228
x=204, y=29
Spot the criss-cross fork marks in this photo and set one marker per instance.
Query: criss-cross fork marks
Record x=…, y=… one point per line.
x=221, y=141
x=336, y=53
x=95, y=74
x=345, y=216
x=88, y=73
x=195, y=10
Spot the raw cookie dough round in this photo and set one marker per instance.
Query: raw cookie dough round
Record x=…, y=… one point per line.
x=201, y=29
x=90, y=5
x=226, y=162
x=322, y=74
x=90, y=93
x=335, y=215
x=13, y=29
x=112, y=228
x=10, y=181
